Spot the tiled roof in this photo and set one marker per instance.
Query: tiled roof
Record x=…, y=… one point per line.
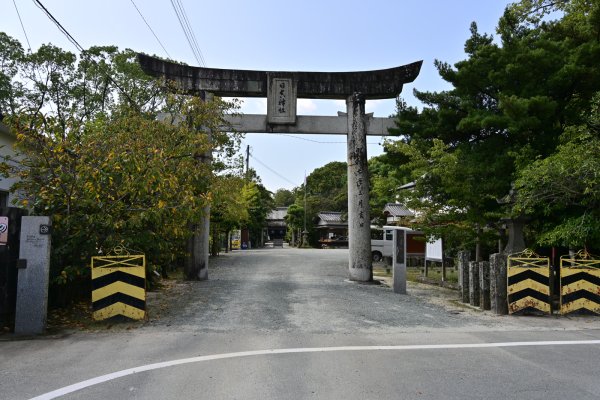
x=397, y=210
x=277, y=214
x=331, y=218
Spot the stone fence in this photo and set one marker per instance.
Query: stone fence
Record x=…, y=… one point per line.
x=483, y=284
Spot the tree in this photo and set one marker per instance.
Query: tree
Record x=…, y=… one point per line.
x=230, y=209
x=97, y=159
x=295, y=221
x=283, y=198
x=470, y=143
x=326, y=190
x=11, y=57
x=386, y=178
x=260, y=202
x=563, y=189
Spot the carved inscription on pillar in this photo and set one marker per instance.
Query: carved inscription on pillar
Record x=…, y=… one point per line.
x=281, y=100
x=357, y=157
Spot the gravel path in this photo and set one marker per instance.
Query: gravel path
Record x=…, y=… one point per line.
x=307, y=291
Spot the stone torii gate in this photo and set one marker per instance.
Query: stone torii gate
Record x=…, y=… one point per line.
x=282, y=89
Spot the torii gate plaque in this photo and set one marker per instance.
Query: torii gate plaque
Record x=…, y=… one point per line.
x=282, y=89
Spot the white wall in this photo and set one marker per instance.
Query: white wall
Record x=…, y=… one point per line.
x=6, y=148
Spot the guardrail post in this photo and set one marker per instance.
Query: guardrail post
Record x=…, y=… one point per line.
x=528, y=283
x=484, y=285
x=498, y=303
x=474, y=283
x=463, y=275
x=580, y=283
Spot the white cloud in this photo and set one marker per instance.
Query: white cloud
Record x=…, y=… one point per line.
x=340, y=105
x=381, y=108
x=306, y=106
x=253, y=105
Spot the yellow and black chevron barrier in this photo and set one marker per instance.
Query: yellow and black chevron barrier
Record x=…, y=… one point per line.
x=119, y=285
x=528, y=284
x=580, y=284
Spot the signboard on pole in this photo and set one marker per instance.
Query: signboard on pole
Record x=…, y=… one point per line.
x=433, y=251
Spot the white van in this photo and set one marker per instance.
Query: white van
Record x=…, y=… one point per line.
x=381, y=242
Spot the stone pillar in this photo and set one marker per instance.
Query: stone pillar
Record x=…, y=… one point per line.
x=399, y=261
x=32, y=287
x=474, y=283
x=198, y=247
x=516, y=241
x=498, y=290
x=484, y=285
x=359, y=219
x=463, y=275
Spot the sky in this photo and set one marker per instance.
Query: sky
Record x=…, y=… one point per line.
x=308, y=35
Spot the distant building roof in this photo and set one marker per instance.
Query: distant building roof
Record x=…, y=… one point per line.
x=278, y=214
x=276, y=218
x=331, y=218
x=397, y=210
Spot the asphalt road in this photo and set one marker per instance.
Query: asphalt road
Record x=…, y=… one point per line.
x=286, y=324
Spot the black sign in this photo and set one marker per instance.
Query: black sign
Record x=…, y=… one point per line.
x=45, y=229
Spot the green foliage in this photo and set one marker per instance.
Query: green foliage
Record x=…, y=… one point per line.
x=326, y=190
x=385, y=179
x=260, y=202
x=510, y=104
x=95, y=157
x=295, y=217
x=563, y=189
x=283, y=198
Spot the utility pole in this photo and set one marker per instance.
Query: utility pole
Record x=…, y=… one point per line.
x=247, y=161
x=305, y=232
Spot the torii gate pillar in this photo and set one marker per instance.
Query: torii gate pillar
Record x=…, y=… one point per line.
x=359, y=220
x=282, y=89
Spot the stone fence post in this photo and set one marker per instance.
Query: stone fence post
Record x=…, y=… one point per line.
x=474, y=291
x=463, y=275
x=498, y=290
x=484, y=285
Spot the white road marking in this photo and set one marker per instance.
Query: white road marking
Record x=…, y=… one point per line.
x=149, y=367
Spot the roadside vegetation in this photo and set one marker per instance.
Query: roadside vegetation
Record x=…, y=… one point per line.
x=104, y=150
x=516, y=136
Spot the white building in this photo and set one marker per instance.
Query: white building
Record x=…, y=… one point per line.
x=7, y=139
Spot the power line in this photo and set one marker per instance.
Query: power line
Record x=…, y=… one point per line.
x=60, y=27
x=188, y=31
x=317, y=141
x=272, y=170
x=81, y=50
x=149, y=27
x=22, y=26
x=189, y=28
x=29, y=44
